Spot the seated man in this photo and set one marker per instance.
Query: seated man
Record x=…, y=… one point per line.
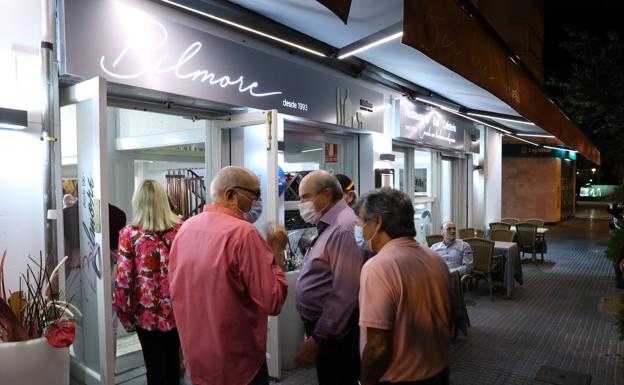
x=456, y=253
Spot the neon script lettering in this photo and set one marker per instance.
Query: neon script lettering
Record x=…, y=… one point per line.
x=138, y=48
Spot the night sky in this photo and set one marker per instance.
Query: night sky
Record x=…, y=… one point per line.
x=594, y=16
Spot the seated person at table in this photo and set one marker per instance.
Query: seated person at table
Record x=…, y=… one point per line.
x=456, y=253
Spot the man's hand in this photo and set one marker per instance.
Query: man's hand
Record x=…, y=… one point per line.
x=308, y=352
x=130, y=328
x=277, y=240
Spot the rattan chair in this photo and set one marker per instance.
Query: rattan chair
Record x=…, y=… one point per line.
x=502, y=235
x=500, y=226
x=511, y=221
x=482, y=250
x=535, y=221
x=527, y=239
x=433, y=239
x=468, y=232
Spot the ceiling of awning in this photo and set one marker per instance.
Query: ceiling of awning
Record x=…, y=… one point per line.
x=368, y=17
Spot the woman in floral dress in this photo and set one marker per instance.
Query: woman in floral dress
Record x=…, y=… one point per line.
x=141, y=290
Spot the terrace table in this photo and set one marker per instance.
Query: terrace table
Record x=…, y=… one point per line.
x=513, y=266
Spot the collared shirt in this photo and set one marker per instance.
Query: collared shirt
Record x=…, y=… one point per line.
x=405, y=289
x=329, y=282
x=223, y=286
x=457, y=255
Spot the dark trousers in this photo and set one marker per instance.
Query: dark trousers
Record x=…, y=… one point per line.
x=262, y=378
x=161, y=352
x=338, y=362
x=441, y=378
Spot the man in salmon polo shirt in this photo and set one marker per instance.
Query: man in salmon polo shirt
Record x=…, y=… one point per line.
x=404, y=297
x=225, y=279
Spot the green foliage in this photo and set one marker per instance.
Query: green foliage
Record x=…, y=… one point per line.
x=592, y=95
x=614, y=247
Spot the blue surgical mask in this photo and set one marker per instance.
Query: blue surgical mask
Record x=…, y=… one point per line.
x=254, y=213
x=364, y=244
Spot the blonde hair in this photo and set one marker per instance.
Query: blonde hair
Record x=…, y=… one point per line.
x=151, y=207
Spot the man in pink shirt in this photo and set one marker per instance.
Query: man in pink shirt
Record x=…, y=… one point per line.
x=224, y=281
x=404, y=297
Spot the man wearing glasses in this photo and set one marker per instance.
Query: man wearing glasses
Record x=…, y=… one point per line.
x=224, y=281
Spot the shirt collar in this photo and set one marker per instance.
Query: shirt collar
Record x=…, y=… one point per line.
x=215, y=208
x=330, y=216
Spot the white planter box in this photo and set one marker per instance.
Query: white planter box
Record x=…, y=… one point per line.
x=33, y=362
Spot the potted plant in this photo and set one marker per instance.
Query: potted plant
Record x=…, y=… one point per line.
x=36, y=328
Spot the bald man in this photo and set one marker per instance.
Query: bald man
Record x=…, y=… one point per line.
x=328, y=286
x=224, y=281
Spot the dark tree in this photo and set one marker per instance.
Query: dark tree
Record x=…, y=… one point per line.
x=593, y=95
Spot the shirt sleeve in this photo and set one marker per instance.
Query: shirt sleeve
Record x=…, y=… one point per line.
x=467, y=260
x=265, y=281
x=124, y=277
x=377, y=307
x=346, y=259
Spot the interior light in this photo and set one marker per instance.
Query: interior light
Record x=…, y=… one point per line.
x=499, y=117
x=314, y=149
x=539, y=136
x=371, y=45
x=559, y=148
x=245, y=28
x=13, y=119
x=523, y=140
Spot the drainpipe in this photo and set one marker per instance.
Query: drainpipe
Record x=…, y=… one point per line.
x=48, y=131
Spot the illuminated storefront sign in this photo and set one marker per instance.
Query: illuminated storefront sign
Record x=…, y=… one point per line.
x=433, y=126
x=148, y=45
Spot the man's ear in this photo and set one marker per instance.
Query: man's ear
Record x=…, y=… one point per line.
x=229, y=194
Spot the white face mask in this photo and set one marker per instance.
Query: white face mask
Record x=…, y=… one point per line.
x=254, y=213
x=308, y=213
x=364, y=244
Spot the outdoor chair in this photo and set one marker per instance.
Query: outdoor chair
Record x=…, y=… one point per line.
x=500, y=226
x=483, y=251
x=527, y=240
x=511, y=221
x=433, y=239
x=502, y=235
x=535, y=221
x=468, y=232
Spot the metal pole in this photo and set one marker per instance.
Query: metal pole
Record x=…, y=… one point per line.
x=48, y=130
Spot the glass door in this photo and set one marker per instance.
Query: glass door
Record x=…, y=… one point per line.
x=253, y=144
x=87, y=278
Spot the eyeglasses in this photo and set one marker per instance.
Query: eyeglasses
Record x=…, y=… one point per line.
x=255, y=193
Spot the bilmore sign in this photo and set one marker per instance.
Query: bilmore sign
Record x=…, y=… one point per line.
x=144, y=44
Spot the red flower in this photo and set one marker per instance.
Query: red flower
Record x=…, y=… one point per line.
x=61, y=333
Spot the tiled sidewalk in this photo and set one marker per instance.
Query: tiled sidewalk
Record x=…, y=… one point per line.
x=553, y=319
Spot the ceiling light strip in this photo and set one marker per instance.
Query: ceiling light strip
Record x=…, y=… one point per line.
x=479, y=121
x=559, y=148
x=447, y=107
x=507, y=119
x=314, y=149
x=538, y=136
x=371, y=45
x=245, y=28
x=523, y=140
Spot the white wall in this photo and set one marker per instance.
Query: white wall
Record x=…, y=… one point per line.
x=493, y=175
x=21, y=152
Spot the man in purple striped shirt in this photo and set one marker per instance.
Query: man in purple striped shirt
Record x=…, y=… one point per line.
x=328, y=287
